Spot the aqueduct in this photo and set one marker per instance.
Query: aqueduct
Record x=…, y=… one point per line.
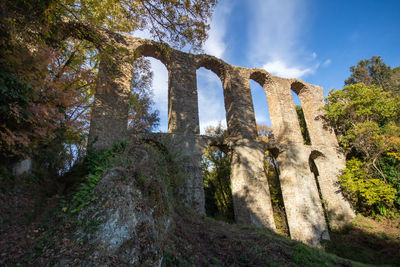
x=251, y=197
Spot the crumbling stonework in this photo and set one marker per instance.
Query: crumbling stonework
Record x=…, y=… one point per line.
x=251, y=197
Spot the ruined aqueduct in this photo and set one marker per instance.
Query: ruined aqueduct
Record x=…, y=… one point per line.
x=251, y=197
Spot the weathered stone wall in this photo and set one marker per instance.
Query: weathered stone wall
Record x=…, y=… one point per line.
x=250, y=190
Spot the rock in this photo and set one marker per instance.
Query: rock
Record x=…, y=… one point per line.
x=126, y=226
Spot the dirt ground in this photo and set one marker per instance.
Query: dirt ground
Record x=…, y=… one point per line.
x=372, y=241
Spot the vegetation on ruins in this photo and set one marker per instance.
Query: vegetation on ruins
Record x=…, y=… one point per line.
x=49, y=60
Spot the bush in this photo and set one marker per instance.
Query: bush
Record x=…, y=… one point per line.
x=368, y=193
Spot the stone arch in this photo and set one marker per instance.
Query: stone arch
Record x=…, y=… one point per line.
x=314, y=155
x=211, y=90
x=214, y=64
x=158, y=59
x=260, y=76
x=263, y=79
x=220, y=69
x=250, y=186
x=338, y=211
x=298, y=87
x=157, y=51
x=301, y=90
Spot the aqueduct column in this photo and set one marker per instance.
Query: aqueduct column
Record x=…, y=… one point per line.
x=250, y=191
x=183, y=122
x=111, y=102
x=331, y=162
x=299, y=189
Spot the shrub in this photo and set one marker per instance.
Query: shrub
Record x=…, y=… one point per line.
x=368, y=193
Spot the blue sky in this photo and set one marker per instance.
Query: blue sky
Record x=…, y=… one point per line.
x=316, y=41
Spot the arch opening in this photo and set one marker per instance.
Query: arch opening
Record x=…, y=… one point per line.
x=260, y=105
x=149, y=95
x=210, y=92
x=316, y=155
x=142, y=115
x=271, y=168
x=216, y=167
x=296, y=89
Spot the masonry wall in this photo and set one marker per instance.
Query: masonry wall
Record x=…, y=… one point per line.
x=251, y=196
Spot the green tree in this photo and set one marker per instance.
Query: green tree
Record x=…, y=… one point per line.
x=216, y=166
x=49, y=62
x=374, y=71
x=365, y=121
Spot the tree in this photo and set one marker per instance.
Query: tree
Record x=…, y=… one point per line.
x=216, y=166
x=374, y=71
x=365, y=121
x=265, y=132
x=49, y=61
x=141, y=117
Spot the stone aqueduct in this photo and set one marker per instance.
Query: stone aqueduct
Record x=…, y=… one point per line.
x=251, y=197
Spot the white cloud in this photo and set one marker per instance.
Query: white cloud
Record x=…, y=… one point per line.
x=275, y=35
x=314, y=55
x=212, y=123
x=215, y=44
x=209, y=106
x=327, y=63
x=280, y=68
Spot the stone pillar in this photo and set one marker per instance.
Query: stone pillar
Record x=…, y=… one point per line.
x=239, y=104
x=303, y=206
x=283, y=114
x=250, y=191
x=312, y=101
x=331, y=162
x=183, y=111
x=329, y=165
x=183, y=122
x=191, y=147
x=111, y=101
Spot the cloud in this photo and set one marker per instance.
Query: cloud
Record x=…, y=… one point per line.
x=210, y=107
x=314, y=55
x=215, y=44
x=280, y=68
x=275, y=32
x=326, y=63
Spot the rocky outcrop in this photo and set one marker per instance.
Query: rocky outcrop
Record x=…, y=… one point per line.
x=128, y=223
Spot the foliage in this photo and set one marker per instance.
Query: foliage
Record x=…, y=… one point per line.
x=365, y=191
x=265, y=133
x=141, y=118
x=271, y=169
x=391, y=168
x=303, y=125
x=369, y=71
x=216, y=172
x=47, y=77
x=96, y=163
x=365, y=121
